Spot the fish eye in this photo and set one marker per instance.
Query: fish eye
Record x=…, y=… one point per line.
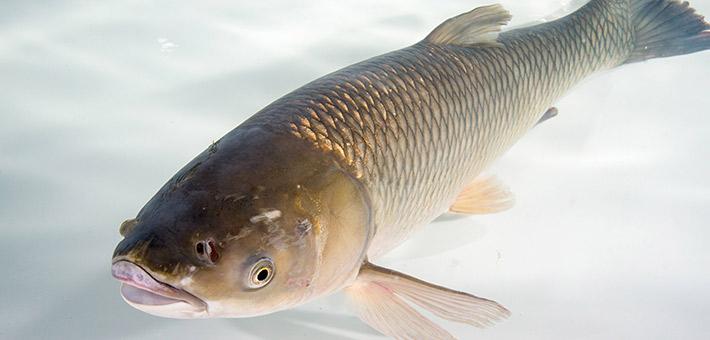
x=261, y=273
x=207, y=251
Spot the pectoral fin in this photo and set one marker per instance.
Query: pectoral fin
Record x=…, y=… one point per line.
x=483, y=196
x=383, y=299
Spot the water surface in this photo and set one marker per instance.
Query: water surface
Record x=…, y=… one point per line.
x=101, y=102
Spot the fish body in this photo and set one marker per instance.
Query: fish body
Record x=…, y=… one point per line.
x=417, y=125
x=295, y=202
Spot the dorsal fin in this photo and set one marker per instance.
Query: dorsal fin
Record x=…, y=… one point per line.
x=472, y=27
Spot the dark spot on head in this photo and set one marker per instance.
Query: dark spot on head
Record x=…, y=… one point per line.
x=201, y=213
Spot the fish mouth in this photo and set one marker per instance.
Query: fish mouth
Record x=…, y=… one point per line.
x=142, y=291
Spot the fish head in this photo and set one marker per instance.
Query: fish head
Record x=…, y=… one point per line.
x=236, y=235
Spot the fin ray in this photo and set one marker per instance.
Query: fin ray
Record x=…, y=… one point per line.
x=387, y=313
x=666, y=28
x=483, y=196
x=470, y=28
x=381, y=296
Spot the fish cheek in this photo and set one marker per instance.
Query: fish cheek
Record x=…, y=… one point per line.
x=225, y=286
x=296, y=264
x=221, y=280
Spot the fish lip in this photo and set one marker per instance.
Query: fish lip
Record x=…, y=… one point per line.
x=132, y=274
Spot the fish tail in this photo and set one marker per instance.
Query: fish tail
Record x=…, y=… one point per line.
x=666, y=28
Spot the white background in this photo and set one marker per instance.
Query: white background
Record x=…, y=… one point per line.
x=101, y=102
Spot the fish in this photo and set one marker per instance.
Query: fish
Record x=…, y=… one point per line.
x=300, y=200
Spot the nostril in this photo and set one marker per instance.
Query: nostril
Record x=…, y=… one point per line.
x=214, y=255
x=207, y=251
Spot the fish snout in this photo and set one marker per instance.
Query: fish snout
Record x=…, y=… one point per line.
x=141, y=290
x=132, y=274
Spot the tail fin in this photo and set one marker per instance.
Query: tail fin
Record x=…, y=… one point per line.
x=665, y=28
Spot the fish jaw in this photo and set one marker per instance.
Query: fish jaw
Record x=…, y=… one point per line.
x=143, y=292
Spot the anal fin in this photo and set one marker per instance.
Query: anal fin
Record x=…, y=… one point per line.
x=551, y=112
x=381, y=297
x=483, y=196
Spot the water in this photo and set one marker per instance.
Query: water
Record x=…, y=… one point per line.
x=101, y=102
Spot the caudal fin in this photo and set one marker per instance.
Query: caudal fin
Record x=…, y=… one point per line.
x=666, y=28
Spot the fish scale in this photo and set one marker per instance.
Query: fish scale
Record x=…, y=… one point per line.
x=416, y=125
